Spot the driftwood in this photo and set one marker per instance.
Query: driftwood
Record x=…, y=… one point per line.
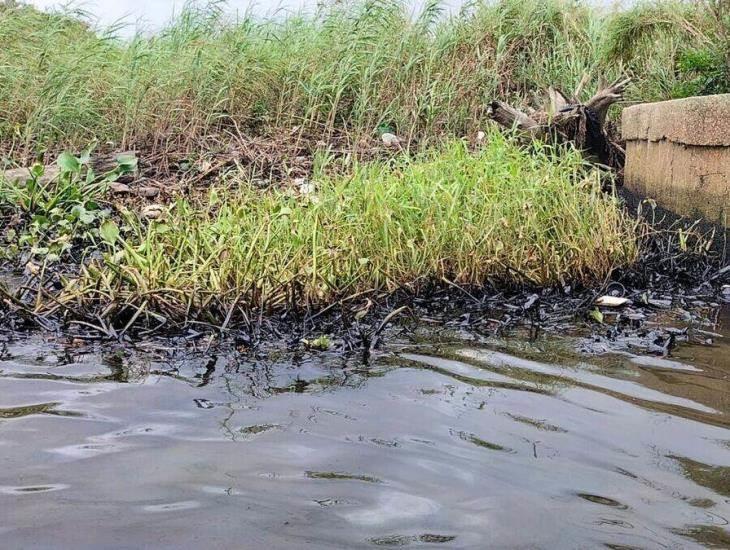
x=567, y=119
x=101, y=164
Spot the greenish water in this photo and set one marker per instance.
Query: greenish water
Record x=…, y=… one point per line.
x=510, y=444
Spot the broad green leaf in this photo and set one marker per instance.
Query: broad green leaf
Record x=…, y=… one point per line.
x=87, y=218
x=39, y=220
x=37, y=170
x=109, y=231
x=596, y=315
x=78, y=210
x=82, y=214
x=85, y=156
x=68, y=163
x=127, y=163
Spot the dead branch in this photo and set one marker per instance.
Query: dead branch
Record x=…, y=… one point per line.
x=607, y=96
x=509, y=117
x=568, y=120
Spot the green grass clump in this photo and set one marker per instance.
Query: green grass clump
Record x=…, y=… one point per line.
x=503, y=214
x=351, y=68
x=677, y=48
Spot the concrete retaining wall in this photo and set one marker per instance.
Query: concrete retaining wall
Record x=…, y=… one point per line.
x=678, y=153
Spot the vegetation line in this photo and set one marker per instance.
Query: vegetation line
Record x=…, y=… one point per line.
x=503, y=214
x=315, y=159
x=352, y=69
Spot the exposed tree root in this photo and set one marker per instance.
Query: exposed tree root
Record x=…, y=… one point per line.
x=568, y=120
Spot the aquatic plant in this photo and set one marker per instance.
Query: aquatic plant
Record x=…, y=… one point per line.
x=504, y=214
x=45, y=210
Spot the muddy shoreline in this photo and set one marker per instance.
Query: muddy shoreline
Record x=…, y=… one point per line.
x=677, y=270
x=682, y=291
x=445, y=438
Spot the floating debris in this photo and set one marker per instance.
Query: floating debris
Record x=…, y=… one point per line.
x=322, y=343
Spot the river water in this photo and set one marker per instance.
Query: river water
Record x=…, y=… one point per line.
x=512, y=443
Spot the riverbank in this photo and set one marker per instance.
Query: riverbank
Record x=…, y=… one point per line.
x=346, y=73
x=315, y=174
x=500, y=215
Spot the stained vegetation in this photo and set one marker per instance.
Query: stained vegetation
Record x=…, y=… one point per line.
x=500, y=215
x=256, y=179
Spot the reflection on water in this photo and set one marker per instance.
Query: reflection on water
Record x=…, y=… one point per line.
x=515, y=444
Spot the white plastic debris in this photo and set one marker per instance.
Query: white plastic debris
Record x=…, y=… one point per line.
x=304, y=187
x=612, y=301
x=307, y=190
x=390, y=140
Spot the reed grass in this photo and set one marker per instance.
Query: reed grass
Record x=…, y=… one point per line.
x=353, y=68
x=503, y=214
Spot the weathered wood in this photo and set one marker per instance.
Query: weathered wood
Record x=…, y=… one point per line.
x=20, y=175
x=509, y=117
x=579, y=88
x=558, y=101
x=568, y=120
x=607, y=96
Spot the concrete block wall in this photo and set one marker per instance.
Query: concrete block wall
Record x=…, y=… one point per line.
x=678, y=153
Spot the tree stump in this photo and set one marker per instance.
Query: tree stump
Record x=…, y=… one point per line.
x=568, y=120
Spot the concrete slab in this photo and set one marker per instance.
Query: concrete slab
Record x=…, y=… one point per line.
x=678, y=153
